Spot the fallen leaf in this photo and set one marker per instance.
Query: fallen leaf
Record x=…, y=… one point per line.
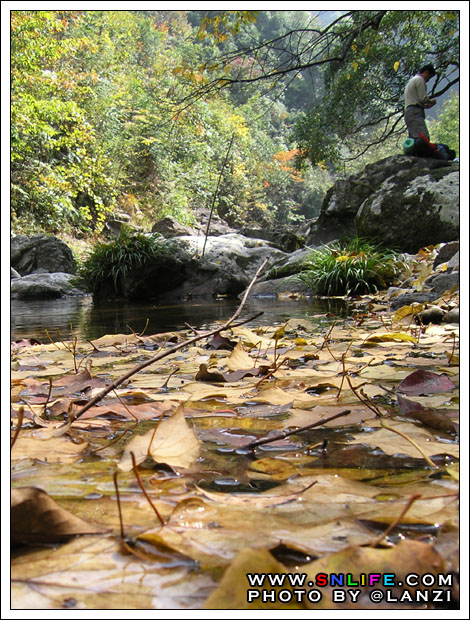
x=409, y=556
x=91, y=573
x=390, y=337
x=37, y=518
x=391, y=443
x=145, y=411
x=221, y=342
x=407, y=311
x=51, y=450
x=425, y=382
x=173, y=442
x=231, y=592
x=239, y=359
x=204, y=374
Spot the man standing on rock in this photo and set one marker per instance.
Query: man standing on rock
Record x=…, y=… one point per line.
x=416, y=100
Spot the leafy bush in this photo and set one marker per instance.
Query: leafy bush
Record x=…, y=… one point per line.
x=120, y=263
x=351, y=267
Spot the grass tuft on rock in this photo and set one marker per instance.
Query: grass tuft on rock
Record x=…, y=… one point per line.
x=351, y=267
x=126, y=258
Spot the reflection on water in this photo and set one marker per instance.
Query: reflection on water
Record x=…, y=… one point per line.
x=87, y=320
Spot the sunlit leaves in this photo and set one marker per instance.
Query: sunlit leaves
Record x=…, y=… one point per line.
x=328, y=495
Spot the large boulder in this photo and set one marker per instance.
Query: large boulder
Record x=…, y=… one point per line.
x=406, y=202
x=40, y=254
x=168, y=227
x=44, y=286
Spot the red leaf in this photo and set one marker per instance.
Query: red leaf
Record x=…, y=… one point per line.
x=425, y=382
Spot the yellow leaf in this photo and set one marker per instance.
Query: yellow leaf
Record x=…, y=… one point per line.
x=280, y=332
x=405, y=311
x=391, y=337
x=454, y=471
x=349, y=76
x=355, y=65
x=454, y=360
x=396, y=65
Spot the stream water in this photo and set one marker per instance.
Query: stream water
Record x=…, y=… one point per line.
x=59, y=319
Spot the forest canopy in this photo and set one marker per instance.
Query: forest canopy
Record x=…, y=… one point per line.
x=134, y=111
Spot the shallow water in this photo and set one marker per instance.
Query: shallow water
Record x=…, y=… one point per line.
x=86, y=320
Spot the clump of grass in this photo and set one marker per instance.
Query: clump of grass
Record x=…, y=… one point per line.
x=351, y=267
x=120, y=262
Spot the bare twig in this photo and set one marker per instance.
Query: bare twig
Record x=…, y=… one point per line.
x=48, y=396
x=343, y=362
x=284, y=434
x=272, y=371
x=453, y=349
x=252, y=318
x=214, y=197
x=141, y=485
x=115, y=475
x=413, y=443
x=364, y=399
x=325, y=340
x=128, y=430
x=51, y=341
x=164, y=387
x=171, y=350
x=19, y=424
x=396, y=521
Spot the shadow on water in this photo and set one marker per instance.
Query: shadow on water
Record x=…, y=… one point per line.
x=86, y=320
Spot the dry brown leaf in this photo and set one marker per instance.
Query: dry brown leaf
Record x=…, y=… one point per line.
x=239, y=359
x=37, y=518
x=51, y=450
x=173, y=442
x=407, y=557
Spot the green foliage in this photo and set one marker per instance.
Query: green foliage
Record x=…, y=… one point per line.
x=56, y=152
x=96, y=126
x=124, y=259
x=109, y=111
x=351, y=267
x=446, y=128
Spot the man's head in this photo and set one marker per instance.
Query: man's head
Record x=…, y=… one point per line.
x=427, y=72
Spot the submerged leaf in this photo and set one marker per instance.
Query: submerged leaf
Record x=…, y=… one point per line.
x=51, y=450
x=391, y=443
